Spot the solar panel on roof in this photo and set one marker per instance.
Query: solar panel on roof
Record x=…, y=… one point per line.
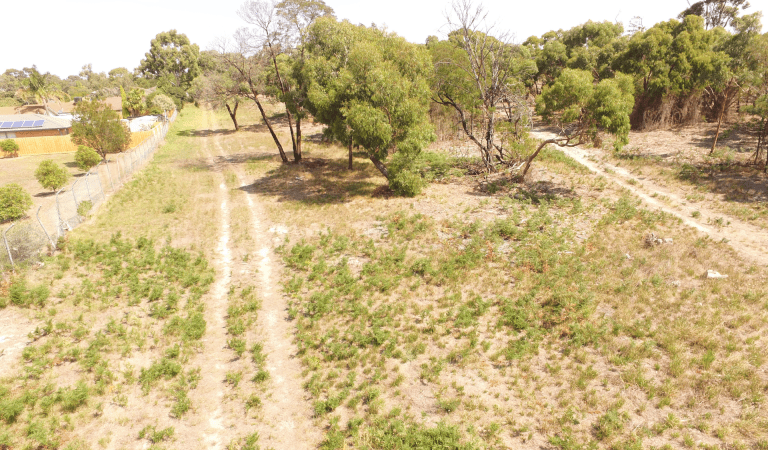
x=29, y=123
x=18, y=124
x=6, y=125
x=38, y=123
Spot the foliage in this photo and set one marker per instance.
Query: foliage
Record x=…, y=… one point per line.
x=172, y=60
x=98, y=127
x=86, y=158
x=134, y=102
x=40, y=87
x=574, y=101
x=369, y=87
x=14, y=202
x=51, y=175
x=481, y=77
x=406, y=183
x=163, y=102
x=9, y=146
x=716, y=13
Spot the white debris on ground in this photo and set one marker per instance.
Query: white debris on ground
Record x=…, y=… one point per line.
x=711, y=274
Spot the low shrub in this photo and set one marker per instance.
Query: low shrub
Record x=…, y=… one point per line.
x=86, y=158
x=14, y=202
x=9, y=147
x=406, y=183
x=51, y=175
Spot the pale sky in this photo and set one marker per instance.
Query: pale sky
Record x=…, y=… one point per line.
x=62, y=36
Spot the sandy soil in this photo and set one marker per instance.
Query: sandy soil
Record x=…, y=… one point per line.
x=287, y=413
x=747, y=239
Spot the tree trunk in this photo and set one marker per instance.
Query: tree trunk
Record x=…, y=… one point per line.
x=233, y=113
x=288, y=114
x=719, y=122
x=350, y=155
x=271, y=130
x=296, y=146
x=297, y=153
x=380, y=165
x=534, y=155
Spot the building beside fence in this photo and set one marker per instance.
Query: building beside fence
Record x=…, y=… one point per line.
x=24, y=240
x=21, y=126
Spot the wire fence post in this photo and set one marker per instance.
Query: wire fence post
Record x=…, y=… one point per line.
x=87, y=189
x=5, y=239
x=73, y=192
x=53, y=245
x=58, y=213
x=98, y=178
x=109, y=175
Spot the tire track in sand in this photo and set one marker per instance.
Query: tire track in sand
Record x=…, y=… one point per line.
x=748, y=240
x=215, y=356
x=286, y=411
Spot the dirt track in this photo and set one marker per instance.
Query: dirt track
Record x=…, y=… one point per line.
x=748, y=240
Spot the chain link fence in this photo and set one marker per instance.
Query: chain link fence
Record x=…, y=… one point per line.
x=27, y=239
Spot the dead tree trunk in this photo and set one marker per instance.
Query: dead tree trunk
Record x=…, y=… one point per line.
x=534, y=155
x=297, y=152
x=233, y=113
x=350, y=155
x=719, y=123
x=269, y=126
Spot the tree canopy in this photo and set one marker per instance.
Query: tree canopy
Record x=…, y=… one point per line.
x=98, y=127
x=369, y=87
x=172, y=60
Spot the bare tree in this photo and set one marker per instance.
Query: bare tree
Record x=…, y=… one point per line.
x=247, y=69
x=280, y=28
x=221, y=89
x=268, y=35
x=483, y=78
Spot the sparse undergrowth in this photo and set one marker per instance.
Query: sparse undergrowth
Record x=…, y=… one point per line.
x=487, y=334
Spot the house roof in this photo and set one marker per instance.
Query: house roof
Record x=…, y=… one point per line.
x=57, y=107
x=50, y=122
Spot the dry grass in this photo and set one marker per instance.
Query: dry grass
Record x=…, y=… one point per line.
x=480, y=314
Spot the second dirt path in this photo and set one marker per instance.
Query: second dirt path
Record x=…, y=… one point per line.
x=748, y=240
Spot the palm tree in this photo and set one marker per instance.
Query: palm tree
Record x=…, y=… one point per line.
x=40, y=87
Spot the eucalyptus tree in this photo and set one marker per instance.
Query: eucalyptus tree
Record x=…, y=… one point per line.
x=370, y=88
x=279, y=29
x=220, y=87
x=247, y=69
x=172, y=60
x=479, y=74
x=581, y=108
x=744, y=66
x=716, y=13
x=673, y=63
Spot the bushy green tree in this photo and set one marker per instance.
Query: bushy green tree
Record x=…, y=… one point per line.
x=582, y=108
x=163, y=103
x=134, y=102
x=99, y=127
x=672, y=60
x=370, y=88
x=172, y=60
x=51, y=175
x=14, y=202
x=86, y=158
x=9, y=146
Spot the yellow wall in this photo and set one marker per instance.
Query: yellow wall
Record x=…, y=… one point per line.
x=45, y=145
x=63, y=144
